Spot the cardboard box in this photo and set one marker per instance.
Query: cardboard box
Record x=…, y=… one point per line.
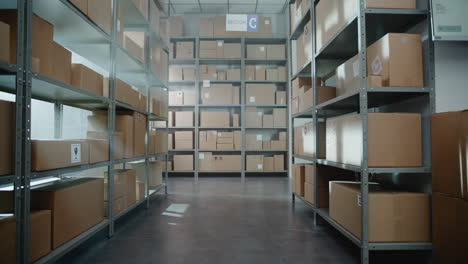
x=281, y=98
x=265, y=27
x=124, y=124
x=220, y=49
x=87, y=79
x=68, y=200
x=397, y=58
x=81, y=5
x=176, y=98
x=214, y=119
x=206, y=27
x=298, y=179
x=325, y=93
x=266, y=144
x=221, y=76
x=394, y=140
x=254, y=141
x=449, y=132
x=250, y=72
x=227, y=146
x=139, y=132
x=260, y=73
x=189, y=97
x=279, y=162
x=175, y=74
x=283, y=136
x=66, y=153
x=393, y=216
x=40, y=236
x=184, y=50
x=374, y=81
x=298, y=83
x=61, y=64
x=295, y=105
x=98, y=150
x=268, y=163
x=331, y=17
x=276, y=51
x=118, y=141
x=209, y=162
x=124, y=93
x=7, y=140
x=184, y=119
x=348, y=76
x=235, y=120
x=271, y=74
x=282, y=73
x=183, y=162
x=189, y=74
x=219, y=94
x=280, y=117
x=237, y=139
x=253, y=118
x=170, y=141
x=42, y=38
x=254, y=163
x=450, y=239
x=267, y=121
x=183, y=140
x=207, y=139
x=134, y=43
x=176, y=26
x=156, y=169
x=260, y=94
x=304, y=140
x=100, y=12
x=256, y=51
x=117, y=204
x=208, y=49
x=403, y=4
x=235, y=95
x=127, y=178
x=306, y=99
x=233, y=75
x=232, y=51
x=279, y=144
x=120, y=26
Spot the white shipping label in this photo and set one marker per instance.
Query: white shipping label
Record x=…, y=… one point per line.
x=207, y=95
x=267, y=22
x=356, y=68
x=219, y=134
x=262, y=48
x=359, y=200
x=258, y=67
x=220, y=43
x=201, y=156
x=252, y=99
x=260, y=166
x=75, y=153
x=118, y=25
x=259, y=137
x=206, y=83
x=213, y=132
x=179, y=94
x=259, y=113
x=376, y=66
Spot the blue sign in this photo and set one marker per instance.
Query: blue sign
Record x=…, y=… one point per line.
x=252, y=23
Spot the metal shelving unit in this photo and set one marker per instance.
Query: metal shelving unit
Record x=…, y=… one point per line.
x=353, y=38
x=80, y=35
x=197, y=84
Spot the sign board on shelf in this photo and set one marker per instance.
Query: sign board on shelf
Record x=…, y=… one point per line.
x=237, y=22
x=449, y=20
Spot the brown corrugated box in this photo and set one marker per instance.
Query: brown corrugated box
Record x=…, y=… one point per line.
x=374, y=81
x=265, y=27
x=86, y=79
x=235, y=95
x=279, y=162
x=260, y=93
x=208, y=49
x=232, y=50
x=267, y=121
x=325, y=93
x=221, y=76
x=253, y=118
x=235, y=120
x=233, y=75
x=40, y=236
x=103, y=135
x=260, y=73
x=218, y=94
x=254, y=141
x=82, y=5
x=397, y=58
x=98, y=150
x=278, y=144
x=394, y=140
x=126, y=94
x=117, y=204
x=134, y=43
x=276, y=51
x=176, y=97
x=128, y=180
x=61, y=64
x=140, y=191
x=393, y=216
x=256, y=51
x=207, y=139
x=170, y=141
x=298, y=83
x=283, y=136
x=7, y=140
x=189, y=74
x=175, y=74
x=225, y=146
x=64, y=154
x=139, y=132
x=271, y=74
x=206, y=27
x=266, y=144
x=68, y=200
x=124, y=124
x=237, y=139
x=183, y=140
x=281, y=98
x=298, y=179
x=184, y=119
x=156, y=169
x=176, y=26
x=450, y=239
x=280, y=117
x=184, y=50
x=403, y=4
x=449, y=133
x=268, y=163
x=348, y=76
x=254, y=163
x=100, y=12
x=250, y=72
x=189, y=97
x=183, y=162
x=214, y=119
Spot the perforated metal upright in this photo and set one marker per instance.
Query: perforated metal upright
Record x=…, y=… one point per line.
x=197, y=107
x=243, y=90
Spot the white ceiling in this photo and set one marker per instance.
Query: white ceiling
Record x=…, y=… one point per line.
x=180, y=7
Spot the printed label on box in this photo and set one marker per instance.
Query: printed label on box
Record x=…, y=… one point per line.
x=260, y=166
x=376, y=66
x=359, y=200
x=206, y=83
x=259, y=113
x=252, y=99
x=201, y=156
x=258, y=67
x=220, y=43
x=213, y=132
x=262, y=48
x=259, y=137
x=179, y=94
x=207, y=95
x=267, y=22
x=75, y=153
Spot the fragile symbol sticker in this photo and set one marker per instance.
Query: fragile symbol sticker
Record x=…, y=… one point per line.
x=75, y=153
x=376, y=66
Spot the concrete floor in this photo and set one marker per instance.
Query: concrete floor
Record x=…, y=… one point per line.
x=221, y=220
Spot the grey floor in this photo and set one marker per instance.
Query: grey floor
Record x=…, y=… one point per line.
x=226, y=221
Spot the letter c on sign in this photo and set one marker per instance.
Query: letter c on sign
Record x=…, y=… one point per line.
x=253, y=22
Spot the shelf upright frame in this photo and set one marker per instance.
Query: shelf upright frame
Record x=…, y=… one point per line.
x=243, y=102
x=148, y=45
x=363, y=111
x=22, y=180
x=197, y=108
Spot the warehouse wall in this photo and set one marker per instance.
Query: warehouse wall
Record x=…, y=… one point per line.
x=451, y=78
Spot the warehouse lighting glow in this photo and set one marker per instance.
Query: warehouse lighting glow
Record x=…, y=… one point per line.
x=176, y=210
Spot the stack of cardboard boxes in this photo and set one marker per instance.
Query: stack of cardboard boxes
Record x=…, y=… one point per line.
x=220, y=94
x=265, y=73
x=211, y=140
x=258, y=118
x=125, y=190
x=155, y=176
x=184, y=50
x=209, y=162
x=304, y=47
x=266, y=51
x=184, y=97
x=124, y=93
x=304, y=140
x=449, y=185
x=159, y=61
x=159, y=102
x=211, y=73
x=216, y=27
x=212, y=49
x=183, y=140
x=265, y=163
x=176, y=26
x=297, y=11
x=215, y=119
x=181, y=74
x=158, y=142
x=181, y=119
x=257, y=142
x=183, y=162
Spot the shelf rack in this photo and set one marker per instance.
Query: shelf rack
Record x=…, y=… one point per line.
x=353, y=38
x=77, y=33
x=197, y=84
